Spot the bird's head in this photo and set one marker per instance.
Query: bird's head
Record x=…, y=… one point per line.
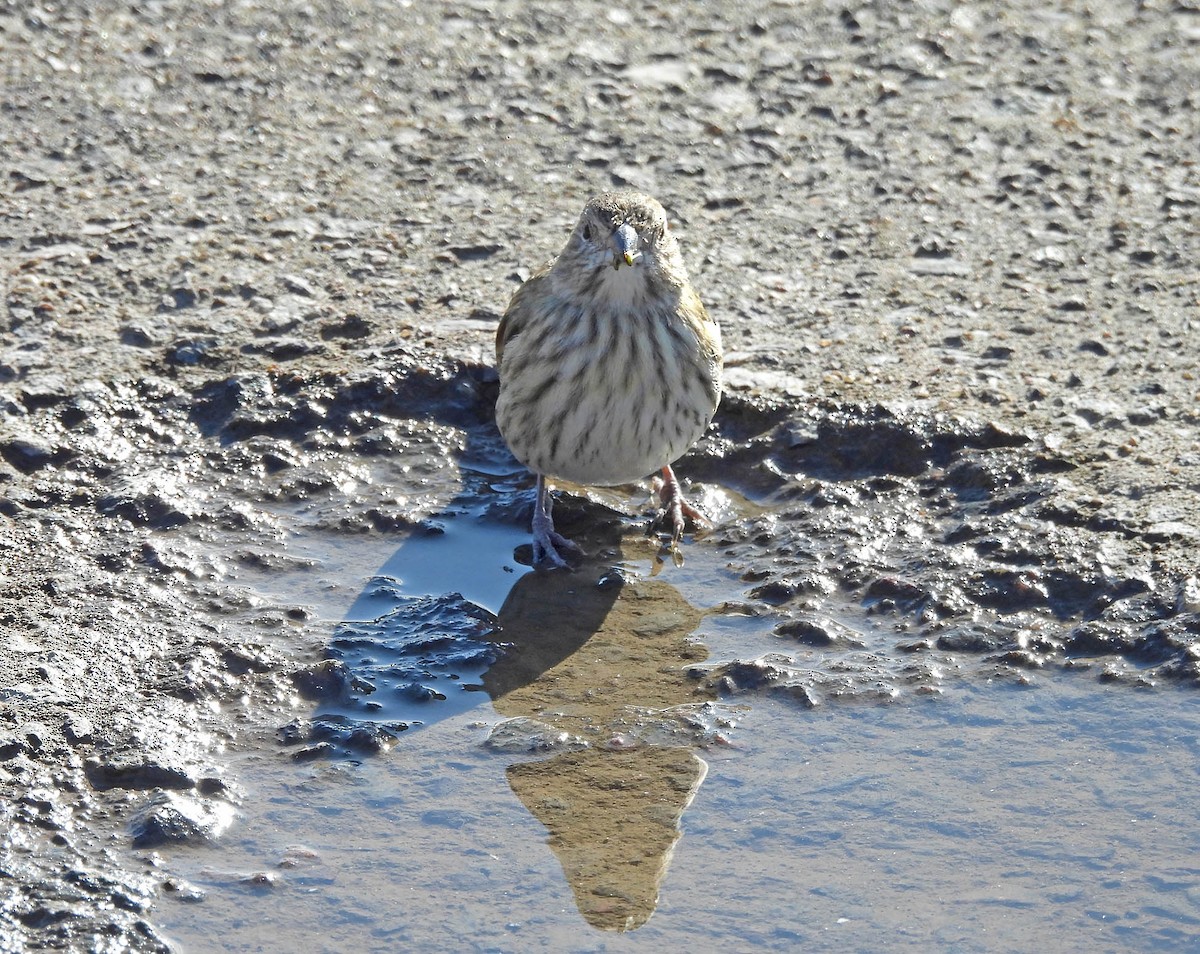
x=624, y=229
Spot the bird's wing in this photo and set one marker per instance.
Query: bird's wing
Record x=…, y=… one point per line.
x=517, y=315
x=705, y=326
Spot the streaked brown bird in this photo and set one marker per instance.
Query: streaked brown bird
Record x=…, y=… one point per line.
x=610, y=368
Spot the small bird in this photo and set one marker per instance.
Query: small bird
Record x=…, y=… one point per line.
x=610, y=368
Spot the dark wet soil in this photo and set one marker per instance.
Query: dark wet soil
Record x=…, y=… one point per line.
x=253, y=505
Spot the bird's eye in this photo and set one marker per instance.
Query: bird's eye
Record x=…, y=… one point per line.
x=588, y=232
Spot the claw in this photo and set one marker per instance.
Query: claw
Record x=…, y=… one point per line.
x=546, y=541
x=677, y=508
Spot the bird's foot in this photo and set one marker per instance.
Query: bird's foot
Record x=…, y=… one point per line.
x=547, y=542
x=549, y=547
x=677, y=510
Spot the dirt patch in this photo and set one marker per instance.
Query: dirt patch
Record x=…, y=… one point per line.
x=252, y=261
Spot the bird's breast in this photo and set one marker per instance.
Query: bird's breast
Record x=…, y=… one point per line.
x=607, y=394
x=620, y=289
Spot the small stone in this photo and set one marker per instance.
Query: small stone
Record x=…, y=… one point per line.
x=298, y=285
x=1188, y=599
x=184, y=891
x=817, y=631
x=28, y=455
x=177, y=819
x=136, y=336
x=135, y=775
x=325, y=680
x=79, y=729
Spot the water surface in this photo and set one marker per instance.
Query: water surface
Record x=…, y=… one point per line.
x=983, y=817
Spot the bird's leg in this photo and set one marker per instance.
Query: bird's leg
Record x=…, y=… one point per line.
x=675, y=507
x=547, y=543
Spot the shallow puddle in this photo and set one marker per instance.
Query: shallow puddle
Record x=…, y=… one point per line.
x=571, y=781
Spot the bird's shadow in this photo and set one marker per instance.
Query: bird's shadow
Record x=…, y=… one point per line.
x=456, y=611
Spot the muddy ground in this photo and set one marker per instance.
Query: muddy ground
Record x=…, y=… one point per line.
x=253, y=258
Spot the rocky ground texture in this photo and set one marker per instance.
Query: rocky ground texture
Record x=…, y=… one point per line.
x=253, y=255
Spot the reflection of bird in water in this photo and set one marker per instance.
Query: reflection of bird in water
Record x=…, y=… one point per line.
x=610, y=368
x=601, y=659
x=613, y=819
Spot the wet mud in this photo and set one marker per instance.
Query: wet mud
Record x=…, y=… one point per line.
x=879, y=555
x=269, y=637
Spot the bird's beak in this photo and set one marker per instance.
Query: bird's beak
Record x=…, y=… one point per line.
x=626, y=240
